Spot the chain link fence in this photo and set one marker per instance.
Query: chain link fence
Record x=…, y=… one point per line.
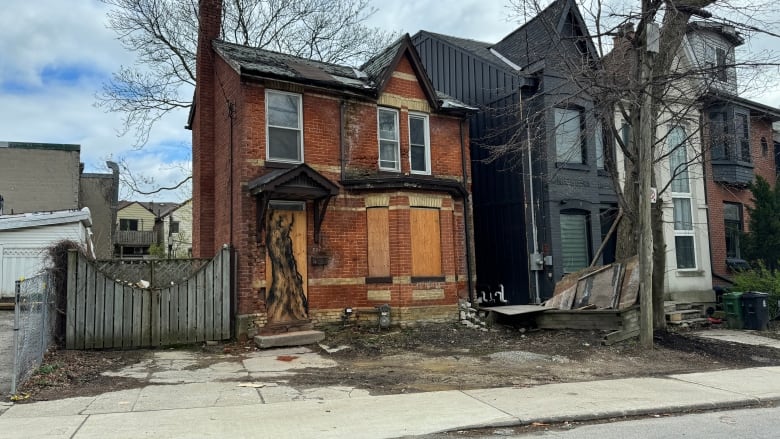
x=34, y=321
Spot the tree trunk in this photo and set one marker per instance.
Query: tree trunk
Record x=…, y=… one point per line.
x=659, y=266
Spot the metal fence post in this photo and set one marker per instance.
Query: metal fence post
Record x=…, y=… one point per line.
x=17, y=289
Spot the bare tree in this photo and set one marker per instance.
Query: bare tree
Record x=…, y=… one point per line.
x=638, y=76
x=163, y=35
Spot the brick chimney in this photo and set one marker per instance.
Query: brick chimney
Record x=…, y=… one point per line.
x=203, y=137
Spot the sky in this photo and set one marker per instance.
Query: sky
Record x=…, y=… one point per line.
x=55, y=55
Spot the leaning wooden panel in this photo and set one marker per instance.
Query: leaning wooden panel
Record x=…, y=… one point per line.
x=426, y=242
x=377, y=221
x=70, y=312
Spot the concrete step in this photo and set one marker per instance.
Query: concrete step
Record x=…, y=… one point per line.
x=677, y=316
x=297, y=338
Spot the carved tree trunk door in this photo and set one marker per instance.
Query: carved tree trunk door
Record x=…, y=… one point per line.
x=286, y=264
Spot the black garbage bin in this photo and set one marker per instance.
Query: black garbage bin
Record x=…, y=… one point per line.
x=755, y=310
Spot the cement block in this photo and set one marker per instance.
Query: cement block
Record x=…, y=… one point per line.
x=298, y=338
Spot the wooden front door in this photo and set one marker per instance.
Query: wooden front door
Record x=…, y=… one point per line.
x=286, y=264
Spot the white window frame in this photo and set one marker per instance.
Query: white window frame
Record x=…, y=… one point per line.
x=574, y=154
x=427, y=146
x=268, y=125
x=397, y=140
x=682, y=195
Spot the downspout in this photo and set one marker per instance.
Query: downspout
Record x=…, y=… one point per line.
x=537, y=298
x=342, y=133
x=466, y=214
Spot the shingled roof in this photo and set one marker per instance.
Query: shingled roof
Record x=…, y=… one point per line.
x=369, y=80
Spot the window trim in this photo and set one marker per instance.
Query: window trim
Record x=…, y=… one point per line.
x=685, y=232
x=581, y=129
x=427, y=134
x=684, y=173
x=268, y=125
x=397, y=140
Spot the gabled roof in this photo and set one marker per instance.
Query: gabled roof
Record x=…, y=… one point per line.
x=380, y=68
x=300, y=182
x=158, y=209
x=531, y=42
x=479, y=49
x=727, y=31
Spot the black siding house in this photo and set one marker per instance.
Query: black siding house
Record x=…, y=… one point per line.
x=526, y=80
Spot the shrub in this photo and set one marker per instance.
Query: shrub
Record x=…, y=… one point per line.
x=760, y=279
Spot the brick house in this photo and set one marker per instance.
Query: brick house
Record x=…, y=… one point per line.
x=737, y=135
x=337, y=187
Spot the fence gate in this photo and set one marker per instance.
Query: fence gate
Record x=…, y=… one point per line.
x=104, y=311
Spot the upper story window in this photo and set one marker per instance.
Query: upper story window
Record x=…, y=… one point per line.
x=742, y=134
x=678, y=159
x=715, y=60
x=568, y=136
x=389, y=146
x=128, y=224
x=284, y=126
x=419, y=144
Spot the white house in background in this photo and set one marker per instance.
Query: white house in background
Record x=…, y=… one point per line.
x=25, y=238
x=177, y=230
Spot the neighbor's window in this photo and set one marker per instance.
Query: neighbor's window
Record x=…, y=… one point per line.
x=378, y=241
x=732, y=219
x=128, y=224
x=426, y=241
x=419, y=144
x=598, y=138
x=284, y=126
x=742, y=133
x=568, y=139
x=174, y=227
x=574, y=241
x=389, y=149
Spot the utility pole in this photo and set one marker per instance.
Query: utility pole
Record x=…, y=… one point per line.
x=646, y=141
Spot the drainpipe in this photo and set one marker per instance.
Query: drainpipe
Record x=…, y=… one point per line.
x=537, y=298
x=342, y=132
x=466, y=213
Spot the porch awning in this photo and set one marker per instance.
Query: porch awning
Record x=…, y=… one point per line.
x=298, y=183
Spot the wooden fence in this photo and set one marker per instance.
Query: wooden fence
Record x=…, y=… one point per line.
x=105, y=313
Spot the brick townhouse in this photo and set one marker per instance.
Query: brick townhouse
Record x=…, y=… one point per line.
x=338, y=187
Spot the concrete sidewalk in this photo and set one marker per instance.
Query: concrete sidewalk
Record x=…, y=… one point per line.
x=230, y=409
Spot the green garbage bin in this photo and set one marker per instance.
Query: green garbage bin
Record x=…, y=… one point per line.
x=755, y=310
x=732, y=306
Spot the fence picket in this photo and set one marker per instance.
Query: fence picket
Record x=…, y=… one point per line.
x=165, y=318
x=226, y=292
x=137, y=321
x=127, y=317
x=81, y=295
x=100, y=294
x=70, y=313
x=192, y=288
x=181, y=313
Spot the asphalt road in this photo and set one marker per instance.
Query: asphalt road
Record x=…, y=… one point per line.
x=756, y=423
x=6, y=351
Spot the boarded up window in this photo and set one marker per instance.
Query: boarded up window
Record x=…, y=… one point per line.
x=426, y=242
x=378, y=242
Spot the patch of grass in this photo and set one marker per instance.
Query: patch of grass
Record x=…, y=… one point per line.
x=47, y=369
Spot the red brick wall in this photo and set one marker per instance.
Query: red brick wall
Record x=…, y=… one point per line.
x=339, y=283
x=717, y=194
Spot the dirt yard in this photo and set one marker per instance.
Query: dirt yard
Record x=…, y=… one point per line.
x=432, y=357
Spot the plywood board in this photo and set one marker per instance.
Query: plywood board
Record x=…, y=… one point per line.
x=513, y=310
x=426, y=242
x=378, y=241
